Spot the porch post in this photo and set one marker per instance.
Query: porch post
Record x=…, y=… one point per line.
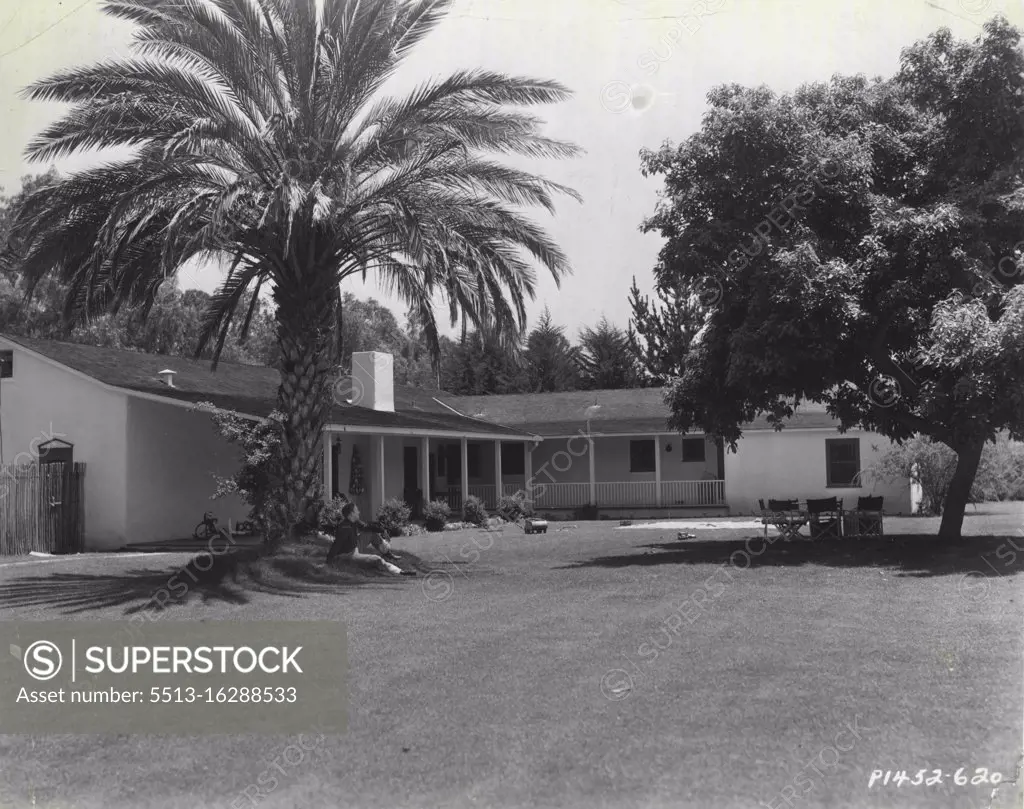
x=464, y=447
x=657, y=470
x=528, y=468
x=497, y=472
x=425, y=468
x=720, y=446
x=328, y=481
x=379, y=488
x=593, y=479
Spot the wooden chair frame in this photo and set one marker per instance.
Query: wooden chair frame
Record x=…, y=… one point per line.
x=787, y=521
x=869, y=522
x=826, y=517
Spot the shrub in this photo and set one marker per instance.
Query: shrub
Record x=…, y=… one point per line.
x=1001, y=472
x=435, y=515
x=926, y=462
x=254, y=480
x=473, y=511
x=330, y=514
x=514, y=507
x=392, y=516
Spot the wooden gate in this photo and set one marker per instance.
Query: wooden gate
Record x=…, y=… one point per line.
x=42, y=508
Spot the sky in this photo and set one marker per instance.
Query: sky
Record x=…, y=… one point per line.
x=639, y=70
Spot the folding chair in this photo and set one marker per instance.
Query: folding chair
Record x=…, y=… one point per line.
x=826, y=517
x=868, y=517
x=764, y=518
x=787, y=517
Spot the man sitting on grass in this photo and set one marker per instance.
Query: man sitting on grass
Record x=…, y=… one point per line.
x=346, y=544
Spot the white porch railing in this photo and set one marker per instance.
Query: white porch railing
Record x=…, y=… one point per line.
x=693, y=492
x=511, y=489
x=485, y=493
x=613, y=494
x=560, y=495
x=627, y=494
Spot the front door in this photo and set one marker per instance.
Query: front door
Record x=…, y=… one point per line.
x=411, y=476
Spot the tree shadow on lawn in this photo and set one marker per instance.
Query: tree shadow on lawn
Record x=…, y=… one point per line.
x=231, y=578
x=909, y=555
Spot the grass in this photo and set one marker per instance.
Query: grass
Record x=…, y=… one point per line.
x=491, y=680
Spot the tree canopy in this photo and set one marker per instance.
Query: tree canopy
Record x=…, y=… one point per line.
x=172, y=325
x=859, y=243
x=258, y=133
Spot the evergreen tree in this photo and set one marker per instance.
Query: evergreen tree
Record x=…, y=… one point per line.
x=550, y=359
x=479, y=365
x=606, y=358
x=661, y=337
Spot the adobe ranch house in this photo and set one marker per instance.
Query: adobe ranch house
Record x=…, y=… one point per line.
x=151, y=458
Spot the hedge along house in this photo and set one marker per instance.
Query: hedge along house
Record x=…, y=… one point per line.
x=612, y=449
x=151, y=457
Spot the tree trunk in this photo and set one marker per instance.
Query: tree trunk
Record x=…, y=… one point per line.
x=307, y=340
x=968, y=459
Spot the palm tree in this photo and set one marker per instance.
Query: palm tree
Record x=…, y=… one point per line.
x=259, y=135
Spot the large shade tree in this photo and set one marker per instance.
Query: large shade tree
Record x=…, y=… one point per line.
x=257, y=133
x=858, y=243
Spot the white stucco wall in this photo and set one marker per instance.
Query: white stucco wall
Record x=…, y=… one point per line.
x=173, y=455
x=44, y=400
x=791, y=464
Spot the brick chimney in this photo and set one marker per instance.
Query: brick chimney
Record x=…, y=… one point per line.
x=373, y=380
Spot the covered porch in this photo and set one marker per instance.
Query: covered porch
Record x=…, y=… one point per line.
x=628, y=471
x=371, y=465
x=612, y=472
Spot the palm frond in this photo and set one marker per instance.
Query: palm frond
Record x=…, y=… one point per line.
x=259, y=133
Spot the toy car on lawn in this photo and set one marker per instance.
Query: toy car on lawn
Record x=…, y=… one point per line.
x=533, y=526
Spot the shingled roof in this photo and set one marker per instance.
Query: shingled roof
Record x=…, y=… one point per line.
x=640, y=410
x=247, y=389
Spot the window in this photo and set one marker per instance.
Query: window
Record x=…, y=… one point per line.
x=513, y=459
x=641, y=455
x=693, y=450
x=472, y=459
x=842, y=462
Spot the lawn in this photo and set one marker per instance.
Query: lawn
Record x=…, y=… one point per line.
x=594, y=666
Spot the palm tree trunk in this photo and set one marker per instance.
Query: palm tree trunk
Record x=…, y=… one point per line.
x=307, y=340
x=968, y=459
